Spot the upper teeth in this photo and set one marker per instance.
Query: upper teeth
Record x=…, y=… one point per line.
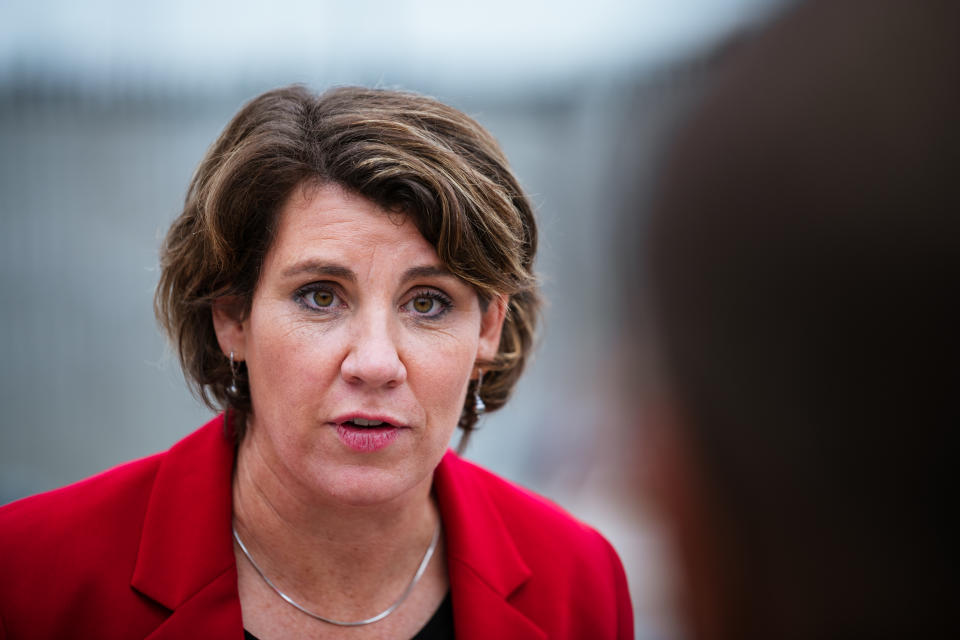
x=360, y=422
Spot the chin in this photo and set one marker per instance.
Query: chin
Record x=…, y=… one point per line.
x=359, y=485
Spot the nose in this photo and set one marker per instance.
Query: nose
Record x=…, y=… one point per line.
x=373, y=358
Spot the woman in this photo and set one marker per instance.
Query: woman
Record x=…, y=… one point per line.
x=350, y=280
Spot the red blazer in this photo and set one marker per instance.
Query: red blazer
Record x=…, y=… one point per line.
x=145, y=551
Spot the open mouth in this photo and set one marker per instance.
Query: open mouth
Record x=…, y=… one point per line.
x=367, y=435
x=360, y=423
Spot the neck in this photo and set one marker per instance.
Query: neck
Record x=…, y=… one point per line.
x=315, y=546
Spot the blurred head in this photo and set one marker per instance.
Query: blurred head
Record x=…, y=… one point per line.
x=802, y=256
x=410, y=156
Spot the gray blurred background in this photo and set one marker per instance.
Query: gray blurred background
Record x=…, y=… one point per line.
x=106, y=108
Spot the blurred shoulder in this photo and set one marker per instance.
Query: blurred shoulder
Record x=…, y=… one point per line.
x=561, y=573
x=532, y=520
x=103, y=500
x=118, y=495
x=67, y=557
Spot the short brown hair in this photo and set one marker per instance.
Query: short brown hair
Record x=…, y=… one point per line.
x=402, y=151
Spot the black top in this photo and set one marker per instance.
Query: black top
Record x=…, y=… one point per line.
x=438, y=627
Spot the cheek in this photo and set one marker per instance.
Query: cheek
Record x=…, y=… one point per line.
x=287, y=359
x=440, y=376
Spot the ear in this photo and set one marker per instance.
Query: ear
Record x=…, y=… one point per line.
x=228, y=323
x=491, y=325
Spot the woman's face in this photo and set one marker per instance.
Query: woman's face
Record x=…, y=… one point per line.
x=356, y=322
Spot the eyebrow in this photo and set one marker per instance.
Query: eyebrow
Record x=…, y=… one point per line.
x=346, y=273
x=320, y=269
x=414, y=273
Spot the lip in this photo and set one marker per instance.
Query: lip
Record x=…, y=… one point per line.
x=367, y=439
x=373, y=417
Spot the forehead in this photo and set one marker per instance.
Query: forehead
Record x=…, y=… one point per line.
x=329, y=220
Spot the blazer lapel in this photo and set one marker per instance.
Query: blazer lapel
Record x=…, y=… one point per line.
x=185, y=560
x=483, y=561
x=212, y=612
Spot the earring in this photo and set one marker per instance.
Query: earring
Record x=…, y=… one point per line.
x=233, y=390
x=479, y=407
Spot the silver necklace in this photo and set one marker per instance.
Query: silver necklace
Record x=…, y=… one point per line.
x=380, y=616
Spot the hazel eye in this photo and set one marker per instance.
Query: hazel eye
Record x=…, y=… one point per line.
x=424, y=304
x=429, y=305
x=318, y=297
x=321, y=298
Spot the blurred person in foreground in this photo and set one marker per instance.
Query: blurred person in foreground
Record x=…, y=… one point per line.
x=350, y=280
x=802, y=266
